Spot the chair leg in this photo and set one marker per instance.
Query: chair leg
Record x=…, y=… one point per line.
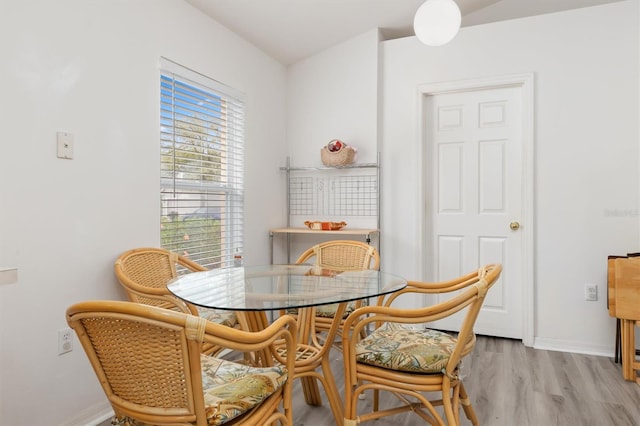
x=447, y=400
x=331, y=391
x=466, y=406
x=350, y=407
x=311, y=390
x=376, y=400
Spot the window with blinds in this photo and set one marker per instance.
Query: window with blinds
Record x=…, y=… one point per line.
x=202, y=170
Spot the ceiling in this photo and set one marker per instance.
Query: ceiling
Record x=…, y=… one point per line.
x=291, y=30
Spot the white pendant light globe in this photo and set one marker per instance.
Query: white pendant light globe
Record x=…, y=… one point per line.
x=437, y=22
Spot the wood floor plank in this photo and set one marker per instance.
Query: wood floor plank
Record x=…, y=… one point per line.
x=543, y=378
x=512, y=385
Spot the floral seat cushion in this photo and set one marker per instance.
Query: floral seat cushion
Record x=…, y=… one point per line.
x=232, y=389
x=227, y=318
x=401, y=348
x=328, y=311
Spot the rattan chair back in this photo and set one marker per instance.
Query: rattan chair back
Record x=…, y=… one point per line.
x=148, y=360
x=145, y=272
x=342, y=255
x=339, y=255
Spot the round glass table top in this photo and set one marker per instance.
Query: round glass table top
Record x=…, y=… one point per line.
x=274, y=287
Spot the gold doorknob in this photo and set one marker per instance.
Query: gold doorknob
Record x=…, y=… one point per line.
x=514, y=226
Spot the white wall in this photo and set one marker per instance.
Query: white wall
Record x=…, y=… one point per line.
x=91, y=68
x=333, y=95
x=585, y=63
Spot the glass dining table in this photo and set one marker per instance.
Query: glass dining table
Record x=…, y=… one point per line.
x=253, y=291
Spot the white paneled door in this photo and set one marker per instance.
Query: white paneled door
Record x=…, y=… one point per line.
x=474, y=197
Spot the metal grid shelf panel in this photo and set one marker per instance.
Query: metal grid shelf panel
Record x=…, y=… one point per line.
x=340, y=196
x=301, y=196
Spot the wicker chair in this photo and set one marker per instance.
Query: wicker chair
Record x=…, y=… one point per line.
x=339, y=255
x=145, y=272
x=410, y=361
x=149, y=363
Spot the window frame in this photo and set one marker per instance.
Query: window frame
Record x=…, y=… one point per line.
x=202, y=163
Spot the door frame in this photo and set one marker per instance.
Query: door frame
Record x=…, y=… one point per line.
x=526, y=84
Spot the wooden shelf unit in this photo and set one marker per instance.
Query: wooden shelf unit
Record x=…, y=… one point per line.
x=350, y=193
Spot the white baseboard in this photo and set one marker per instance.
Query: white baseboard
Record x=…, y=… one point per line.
x=92, y=416
x=573, y=347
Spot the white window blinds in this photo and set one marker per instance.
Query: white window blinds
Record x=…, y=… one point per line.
x=202, y=167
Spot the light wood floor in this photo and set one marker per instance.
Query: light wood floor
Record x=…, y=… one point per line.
x=512, y=385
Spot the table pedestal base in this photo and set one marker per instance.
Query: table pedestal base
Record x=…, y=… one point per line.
x=311, y=356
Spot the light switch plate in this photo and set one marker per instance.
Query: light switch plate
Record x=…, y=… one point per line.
x=65, y=145
x=8, y=275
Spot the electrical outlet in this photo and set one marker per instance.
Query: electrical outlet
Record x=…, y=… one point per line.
x=65, y=341
x=65, y=145
x=590, y=292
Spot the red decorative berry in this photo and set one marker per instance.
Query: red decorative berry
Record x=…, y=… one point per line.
x=335, y=145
